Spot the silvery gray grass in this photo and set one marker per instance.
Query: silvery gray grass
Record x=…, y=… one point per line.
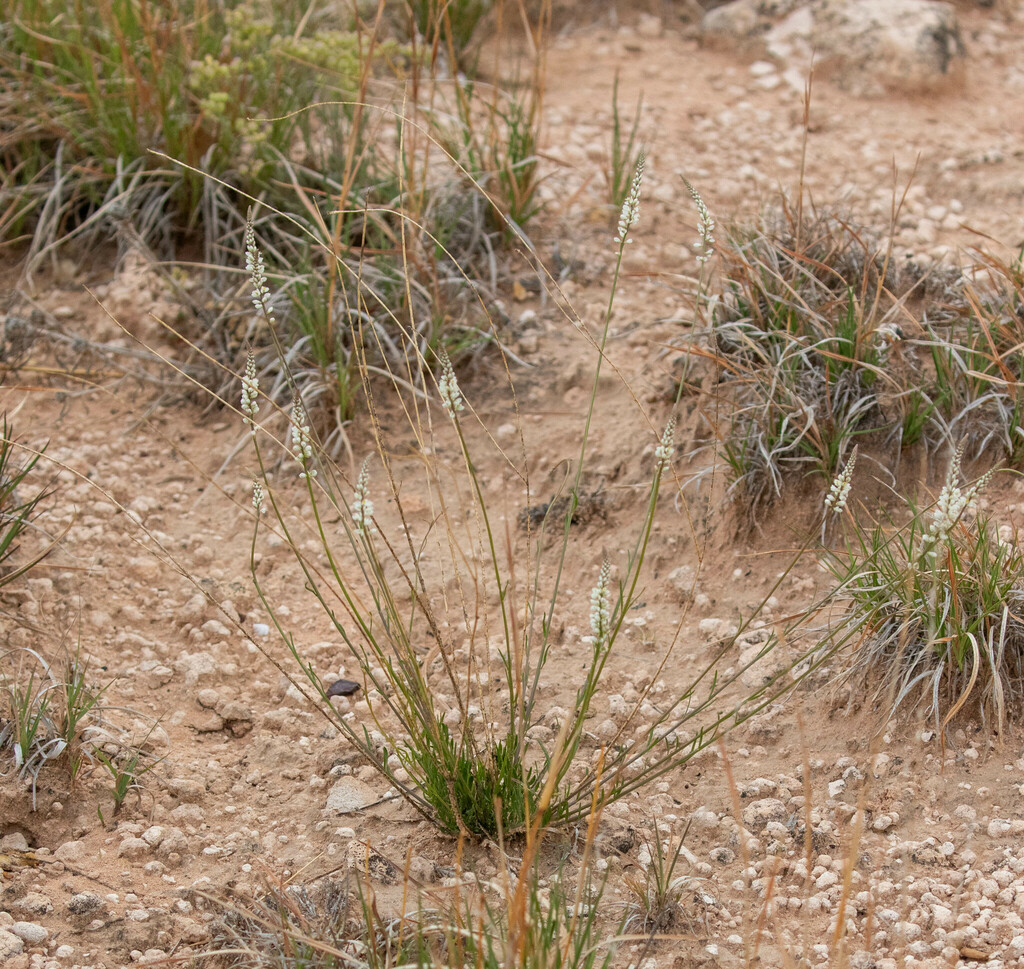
x=933, y=604
x=811, y=334
x=453, y=625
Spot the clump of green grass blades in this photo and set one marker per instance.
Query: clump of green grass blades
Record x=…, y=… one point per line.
x=822, y=343
x=795, y=335
x=452, y=626
x=53, y=717
x=934, y=605
x=153, y=114
x=18, y=503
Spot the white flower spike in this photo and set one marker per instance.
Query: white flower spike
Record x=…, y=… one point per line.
x=664, y=451
x=302, y=439
x=448, y=387
x=705, y=245
x=257, y=274
x=631, y=207
x=835, y=500
x=952, y=503
x=600, y=607
x=250, y=392
x=362, y=507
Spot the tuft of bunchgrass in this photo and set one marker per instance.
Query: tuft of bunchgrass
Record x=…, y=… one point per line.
x=933, y=607
x=533, y=914
x=19, y=502
x=820, y=343
x=53, y=718
x=455, y=668
x=656, y=905
x=793, y=335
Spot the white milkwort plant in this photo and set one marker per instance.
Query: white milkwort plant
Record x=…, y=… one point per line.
x=953, y=501
x=302, y=439
x=600, y=607
x=630, y=214
x=486, y=774
x=448, y=387
x=362, y=506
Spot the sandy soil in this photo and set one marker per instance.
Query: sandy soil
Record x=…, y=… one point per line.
x=154, y=547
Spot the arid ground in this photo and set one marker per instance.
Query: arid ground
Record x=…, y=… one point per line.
x=152, y=506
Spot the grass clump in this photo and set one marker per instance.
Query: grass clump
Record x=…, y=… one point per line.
x=53, y=717
x=452, y=624
x=19, y=503
x=539, y=916
x=934, y=606
x=795, y=334
x=822, y=343
x=94, y=95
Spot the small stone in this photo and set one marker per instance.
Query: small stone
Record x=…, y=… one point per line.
x=70, y=851
x=29, y=932
x=153, y=835
x=215, y=629
x=10, y=945
x=423, y=870
x=684, y=580
x=132, y=848
x=756, y=816
x=208, y=698
x=158, y=676
x=194, y=609
x=722, y=855
x=349, y=795
x=64, y=952
x=85, y=903
x=998, y=828
x=196, y=666
x=33, y=903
